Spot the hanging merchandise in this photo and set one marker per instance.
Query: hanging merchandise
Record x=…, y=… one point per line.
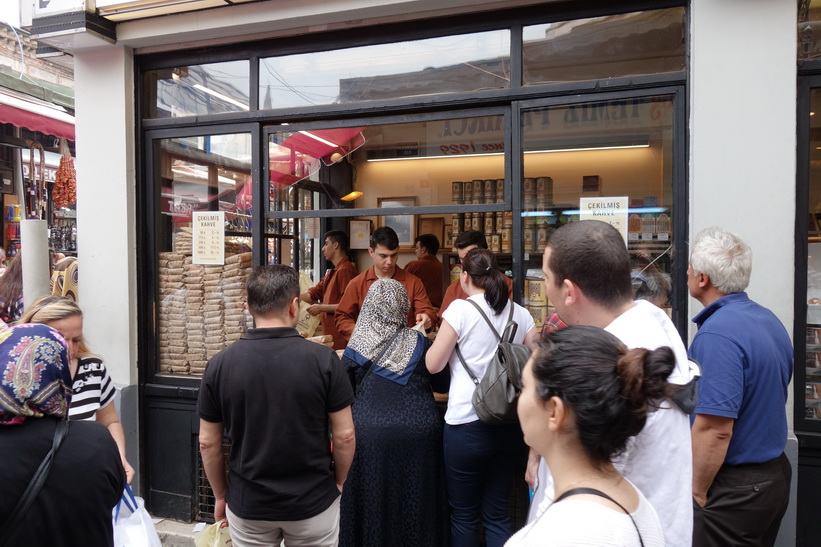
x=65, y=181
x=36, y=192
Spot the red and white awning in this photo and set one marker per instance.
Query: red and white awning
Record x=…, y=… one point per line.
x=36, y=116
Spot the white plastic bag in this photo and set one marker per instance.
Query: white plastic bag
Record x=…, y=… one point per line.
x=132, y=523
x=213, y=536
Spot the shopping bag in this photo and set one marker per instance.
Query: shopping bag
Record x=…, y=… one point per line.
x=132, y=523
x=213, y=536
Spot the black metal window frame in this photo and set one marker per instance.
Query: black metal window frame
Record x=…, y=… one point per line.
x=260, y=123
x=806, y=84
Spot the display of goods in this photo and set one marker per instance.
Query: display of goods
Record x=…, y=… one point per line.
x=65, y=183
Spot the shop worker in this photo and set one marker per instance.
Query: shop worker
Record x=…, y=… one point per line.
x=427, y=267
x=586, y=270
x=741, y=477
x=324, y=296
x=384, y=250
x=277, y=397
x=465, y=242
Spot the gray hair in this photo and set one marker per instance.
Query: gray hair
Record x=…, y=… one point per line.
x=724, y=257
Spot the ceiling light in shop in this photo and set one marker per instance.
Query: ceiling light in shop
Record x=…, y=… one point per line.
x=546, y=151
x=352, y=196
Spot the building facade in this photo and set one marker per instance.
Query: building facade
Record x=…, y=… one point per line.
x=507, y=117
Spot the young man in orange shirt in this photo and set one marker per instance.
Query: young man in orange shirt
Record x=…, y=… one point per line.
x=324, y=297
x=428, y=268
x=384, y=249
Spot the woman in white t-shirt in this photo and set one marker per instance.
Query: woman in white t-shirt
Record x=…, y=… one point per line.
x=479, y=458
x=584, y=395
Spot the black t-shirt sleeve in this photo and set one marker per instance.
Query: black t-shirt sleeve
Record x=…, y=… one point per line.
x=208, y=406
x=340, y=391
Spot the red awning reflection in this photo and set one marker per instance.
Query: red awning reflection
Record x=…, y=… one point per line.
x=300, y=154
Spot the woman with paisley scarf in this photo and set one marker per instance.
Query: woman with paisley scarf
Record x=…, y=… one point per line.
x=395, y=492
x=86, y=478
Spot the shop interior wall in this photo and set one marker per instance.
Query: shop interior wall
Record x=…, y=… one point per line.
x=636, y=173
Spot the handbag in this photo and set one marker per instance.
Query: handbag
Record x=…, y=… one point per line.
x=34, y=486
x=137, y=529
x=496, y=394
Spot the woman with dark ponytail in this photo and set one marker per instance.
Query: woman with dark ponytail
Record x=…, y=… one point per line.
x=479, y=458
x=584, y=396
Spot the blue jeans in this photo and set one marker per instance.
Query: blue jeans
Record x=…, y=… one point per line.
x=479, y=465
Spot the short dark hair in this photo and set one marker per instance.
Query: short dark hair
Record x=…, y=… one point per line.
x=471, y=237
x=338, y=236
x=609, y=388
x=592, y=254
x=386, y=237
x=429, y=242
x=271, y=289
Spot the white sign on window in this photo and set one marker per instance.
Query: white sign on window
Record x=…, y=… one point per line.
x=209, y=237
x=612, y=210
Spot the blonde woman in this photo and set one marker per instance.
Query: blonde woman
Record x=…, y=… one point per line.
x=93, y=397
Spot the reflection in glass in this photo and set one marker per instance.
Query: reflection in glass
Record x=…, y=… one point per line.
x=628, y=44
x=197, y=90
x=448, y=64
x=353, y=167
x=610, y=150
x=813, y=365
x=201, y=307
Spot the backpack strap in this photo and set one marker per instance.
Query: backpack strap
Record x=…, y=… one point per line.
x=593, y=491
x=498, y=337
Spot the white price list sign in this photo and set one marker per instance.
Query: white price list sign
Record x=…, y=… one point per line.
x=612, y=210
x=209, y=237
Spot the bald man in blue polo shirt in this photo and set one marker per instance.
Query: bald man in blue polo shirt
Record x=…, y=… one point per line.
x=741, y=477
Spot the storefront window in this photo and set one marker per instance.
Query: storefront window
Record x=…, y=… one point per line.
x=812, y=399
x=606, y=160
x=204, y=247
x=627, y=44
x=809, y=29
x=426, y=163
x=196, y=90
x=448, y=64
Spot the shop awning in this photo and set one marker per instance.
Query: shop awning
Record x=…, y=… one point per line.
x=36, y=116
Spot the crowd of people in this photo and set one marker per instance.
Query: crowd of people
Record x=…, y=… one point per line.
x=622, y=451
x=633, y=440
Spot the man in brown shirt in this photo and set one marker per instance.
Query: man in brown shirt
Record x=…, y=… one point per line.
x=428, y=268
x=466, y=241
x=329, y=291
x=384, y=248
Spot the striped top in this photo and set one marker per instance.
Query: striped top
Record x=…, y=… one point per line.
x=93, y=389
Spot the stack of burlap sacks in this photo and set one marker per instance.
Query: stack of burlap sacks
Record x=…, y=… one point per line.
x=201, y=306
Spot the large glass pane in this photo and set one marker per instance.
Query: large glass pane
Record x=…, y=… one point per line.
x=809, y=29
x=196, y=90
x=435, y=162
x=448, y=64
x=201, y=305
x=813, y=365
x=586, y=157
x=628, y=44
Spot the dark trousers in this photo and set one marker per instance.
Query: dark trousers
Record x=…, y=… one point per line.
x=745, y=505
x=479, y=465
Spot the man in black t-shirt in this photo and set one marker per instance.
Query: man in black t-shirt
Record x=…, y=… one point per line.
x=274, y=395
